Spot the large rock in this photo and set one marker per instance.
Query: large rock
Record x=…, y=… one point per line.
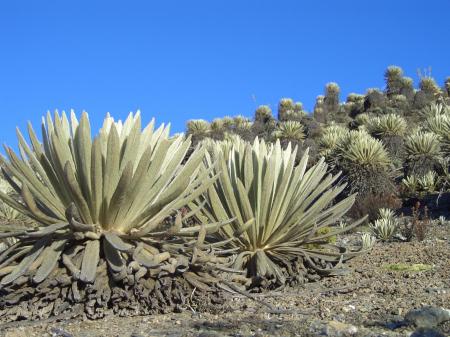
x=427, y=317
x=427, y=332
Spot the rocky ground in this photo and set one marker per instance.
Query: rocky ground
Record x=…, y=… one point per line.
x=373, y=300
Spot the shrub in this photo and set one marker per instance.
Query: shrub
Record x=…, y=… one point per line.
x=355, y=98
x=375, y=101
x=278, y=208
x=368, y=241
x=386, y=225
x=393, y=78
x=198, y=129
x=331, y=137
x=365, y=164
x=411, y=185
x=217, y=129
x=408, y=89
x=105, y=208
x=371, y=203
x=437, y=120
x=362, y=120
x=263, y=114
x=422, y=152
x=387, y=126
x=320, y=114
x=264, y=123
x=428, y=182
x=428, y=86
x=331, y=99
x=383, y=229
x=290, y=111
x=428, y=93
x=290, y=131
x=390, y=129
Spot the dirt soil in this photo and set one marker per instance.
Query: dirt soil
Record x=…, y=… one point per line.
x=370, y=301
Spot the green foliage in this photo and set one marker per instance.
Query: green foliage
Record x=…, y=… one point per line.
x=331, y=100
x=290, y=111
x=387, y=126
x=414, y=185
x=422, y=144
x=428, y=85
x=355, y=98
x=416, y=267
x=227, y=122
x=198, y=127
x=320, y=114
x=438, y=124
x=428, y=182
x=241, y=122
x=385, y=226
x=264, y=123
x=278, y=207
x=362, y=120
x=429, y=92
x=437, y=120
x=368, y=241
x=324, y=231
x=423, y=151
x=331, y=136
x=365, y=163
x=390, y=129
x=383, y=229
x=360, y=149
x=435, y=109
x=263, y=114
x=217, y=125
x=289, y=131
x=408, y=88
x=411, y=184
x=393, y=77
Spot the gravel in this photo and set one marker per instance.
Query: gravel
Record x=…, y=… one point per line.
x=370, y=301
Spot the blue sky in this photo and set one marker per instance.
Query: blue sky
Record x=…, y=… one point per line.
x=177, y=60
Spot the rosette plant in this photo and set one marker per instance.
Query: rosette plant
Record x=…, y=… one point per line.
x=289, y=131
x=280, y=209
x=365, y=163
x=390, y=129
x=105, y=206
x=423, y=152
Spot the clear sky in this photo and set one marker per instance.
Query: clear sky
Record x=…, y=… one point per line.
x=177, y=60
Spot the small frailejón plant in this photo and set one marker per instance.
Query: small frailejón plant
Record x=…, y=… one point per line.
x=289, y=131
x=108, y=210
x=279, y=210
x=386, y=225
x=199, y=129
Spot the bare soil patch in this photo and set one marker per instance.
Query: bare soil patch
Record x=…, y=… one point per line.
x=370, y=301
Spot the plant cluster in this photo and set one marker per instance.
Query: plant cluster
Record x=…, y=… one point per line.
x=134, y=219
x=385, y=226
x=279, y=221
x=378, y=139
